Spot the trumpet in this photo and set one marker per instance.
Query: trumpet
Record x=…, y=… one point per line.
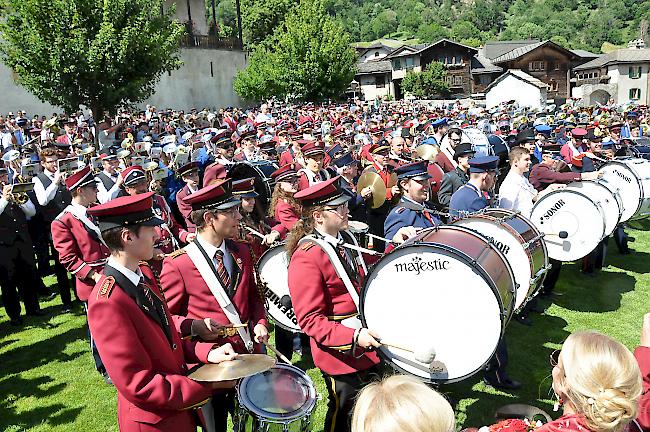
x=154, y=184
x=124, y=156
x=20, y=197
x=88, y=153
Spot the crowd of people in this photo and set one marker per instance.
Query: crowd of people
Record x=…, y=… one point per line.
x=160, y=217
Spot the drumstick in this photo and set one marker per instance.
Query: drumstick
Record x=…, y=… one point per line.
x=360, y=249
x=252, y=231
x=561, y=234
x=379, y=238
x=425, y=356
x=278, y=353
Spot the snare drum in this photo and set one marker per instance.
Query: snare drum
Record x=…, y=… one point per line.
x=571, y=213
x=448, y=288
x=261, y=171
x=631, y=179
x=273, y=268
x=520, y=242
x=606, y=195
x=280, y=399
x=359, y=229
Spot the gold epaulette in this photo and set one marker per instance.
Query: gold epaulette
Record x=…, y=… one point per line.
x=144, y=263
x=196, y=405
x=342, y=347
x=342, y=317
x=176, y=253
x=107, y=288
x=307, y=246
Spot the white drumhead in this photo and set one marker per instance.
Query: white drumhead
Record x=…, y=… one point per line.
x=510, y=246
x=446, y=306
x=605, y=197
x=624, y=180
x=641, y=168
x=273, y=269
x=576, y=214
x=357, y=227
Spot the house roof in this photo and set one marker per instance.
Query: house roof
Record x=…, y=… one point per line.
x=483, y=65
x=417, y=49
x=522, y=50
x=494, y=49
x=520, y=75
x=584, y=53
x=616, y=57
x=373, y=67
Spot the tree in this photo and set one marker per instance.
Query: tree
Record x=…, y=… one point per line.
x=98, y=53
x=428, y=83
x=309, y=58
x=260, y=18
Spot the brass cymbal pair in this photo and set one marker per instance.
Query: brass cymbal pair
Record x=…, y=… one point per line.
x=244, y=365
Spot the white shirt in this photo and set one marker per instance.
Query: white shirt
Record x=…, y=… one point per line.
x=27, y=208
x=211, y=250
x=44, y=196
x=103, y=195
x=133, y=277
x=6, y=139
x=516, y=193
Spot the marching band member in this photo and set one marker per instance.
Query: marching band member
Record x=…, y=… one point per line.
x=292, y=154
x=247, y=149
x=170, y=231
x=224, y=150
x=454, y=180
x=413, y=181
x=211, y=281
x=53, y=196
x=142, y=351
x=347, y=167
x=110, y=181
x=17, y=266
x=445, y=158
x=79, y=243
x=284, y=208
x=314, y=154
x=189, y=173
x=325, y=303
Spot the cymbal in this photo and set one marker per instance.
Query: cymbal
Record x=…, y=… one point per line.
x=377, y=186
x=244, y=365
x=427, y=152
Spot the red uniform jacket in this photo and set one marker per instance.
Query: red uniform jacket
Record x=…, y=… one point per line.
x=541, y=175
x=321, y=301
x=166, y=236
x=80, y=250
x=146, y=363
x=184, y=208
x=303, y=181
x=287, y=216
x=188, y=296
x=642, y=355
x=443, y=161
x=286, y=157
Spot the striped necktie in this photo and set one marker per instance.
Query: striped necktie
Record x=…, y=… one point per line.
x=221, y=270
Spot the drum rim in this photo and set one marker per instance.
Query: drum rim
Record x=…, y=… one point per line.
x=639, y=182
x=573, y=191
x=281, y=418
x=257, y=268
x=617, y=198
x=266, y=184
x=474, y=265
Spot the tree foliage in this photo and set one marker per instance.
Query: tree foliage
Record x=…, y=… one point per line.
x=309, y=57
x=99, y=53
x=428, y=83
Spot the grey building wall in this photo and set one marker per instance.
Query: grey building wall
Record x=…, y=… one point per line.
x=204, y=80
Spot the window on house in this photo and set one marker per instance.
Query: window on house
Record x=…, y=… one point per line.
x=449, y=79
x=458, y=80
x=537, y=66
x=376, y=53
x=635, y=94
x=453, y=60
x=556, y=66
x=553, y=86
x=409, y=62
x=446, y=60
x=380, y=81
x=634, y=72
x=397, y=65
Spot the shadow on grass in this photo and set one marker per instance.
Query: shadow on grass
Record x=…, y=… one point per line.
x=637, y=261
x=529, y=349
x=13, y=386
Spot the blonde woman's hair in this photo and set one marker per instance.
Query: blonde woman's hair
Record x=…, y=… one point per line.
x=601, y=379
x=401, y=403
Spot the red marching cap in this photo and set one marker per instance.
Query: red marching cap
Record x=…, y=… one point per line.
x=329, y=192
x=313, y=148
x=133, y=175
x=284, y=173
x=188, y=167
x=126, y=211
x=81, y=178
x=216, y=196
x=244, y=188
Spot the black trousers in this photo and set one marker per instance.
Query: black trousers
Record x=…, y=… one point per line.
x=17, y=278
x=99, y=364
x=284, y=341
x=595, y=260
x=551, y=276
x=342, y=391
x=37, y=228
x=495, y=371
x=222, y=404
x=620, y=237
x=376, y=219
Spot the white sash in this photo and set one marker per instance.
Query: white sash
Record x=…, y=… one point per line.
x=79, y=213
x=353, y=322
x=218, y=292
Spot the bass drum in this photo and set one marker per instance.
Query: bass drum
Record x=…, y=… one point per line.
x=278, y=400
x=261, y=171
x=448, y=288
x=602, y=192
x=522, y=244
x=273, y=269
x=573, y=224
x=631, y=179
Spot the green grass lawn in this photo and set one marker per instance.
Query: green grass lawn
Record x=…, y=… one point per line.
x=48, y=381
